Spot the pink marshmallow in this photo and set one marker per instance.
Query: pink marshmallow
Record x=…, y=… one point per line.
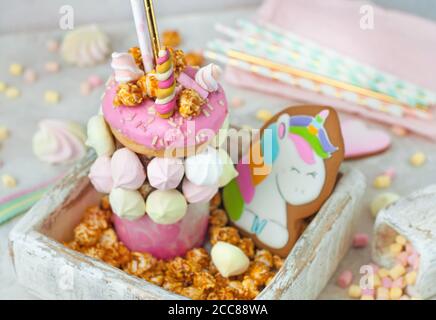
x=368, y=292
x=344, y=279
x=360, y=240
x=402, y=258
x=398, y=283
x=190, y=83
x=386, y=282
x=390, y=172
x=94, y=81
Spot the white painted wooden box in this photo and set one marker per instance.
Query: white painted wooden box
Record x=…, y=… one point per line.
x=52, y=271
x=414, y=217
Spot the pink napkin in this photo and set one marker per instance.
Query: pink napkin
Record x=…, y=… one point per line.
x=400, y=44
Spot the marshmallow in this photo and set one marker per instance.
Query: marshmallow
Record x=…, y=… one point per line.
x=127, y=170
x=166, y=206
x=127, y=204
x=204, y=169
x=165, y=173
x=125, y=68
x=229, y=259
x=100, y=137
x=100, y=174
x=207, y=77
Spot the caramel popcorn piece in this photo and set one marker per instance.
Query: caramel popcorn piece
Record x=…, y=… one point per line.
x=135, y=52
x=179, y=269
x=148, y=85
x=198, y=257
x=265, y=257
x=192, y=292
x=97, y=218
x=105, y=204
x=237, y=289
x=171, y=38
x=250, y=288
x=140, y=263
x=259, y=272
x=215, y=203
x=226, y=234
x=128, y=94
x=179, y=61
x=95, y=252
x=189, y=103
x=218, y=218
x=86, y=235
x=194, y=59
x=108, y=239
x=247, y=245
x=278, y=262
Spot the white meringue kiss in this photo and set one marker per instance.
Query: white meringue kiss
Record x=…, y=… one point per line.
x=100, y=174
x=165, y=173
x=125, y=68
x=196, y=194
x=127, y=204
x=204, y=169
x=127, y=170
x=100, y=137
x=58, y=141
x=207, y=77
x=166, y=206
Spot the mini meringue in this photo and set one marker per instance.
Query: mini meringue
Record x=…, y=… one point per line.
x=100, y=174
x=204, y=169
x=165, y=173
x=125, y=68
x=196, y=194
x=128, y=204
x=166, y=206
x=229, y=170
x=229, y=259
x=127, y=170
x=100, y=137
x=207, y=77
x=59, y=141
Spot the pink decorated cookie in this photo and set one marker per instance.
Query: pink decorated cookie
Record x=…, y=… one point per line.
x=360, y=141
x=142, y=130
x=165, y=241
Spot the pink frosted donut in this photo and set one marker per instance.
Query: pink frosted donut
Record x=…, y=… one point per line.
x=143, y=131
x=165, y=241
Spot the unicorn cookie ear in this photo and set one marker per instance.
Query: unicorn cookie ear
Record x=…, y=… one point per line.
x=303, y=148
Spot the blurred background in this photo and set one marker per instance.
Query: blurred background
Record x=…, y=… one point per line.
x=16, y=15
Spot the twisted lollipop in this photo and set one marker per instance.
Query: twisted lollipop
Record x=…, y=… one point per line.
x=166, y=92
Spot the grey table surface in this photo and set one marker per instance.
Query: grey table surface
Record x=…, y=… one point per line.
x=22, y=115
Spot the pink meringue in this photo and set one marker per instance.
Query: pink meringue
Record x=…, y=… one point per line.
x=127, y=170
x=100, y=174
x=165, y=173
x=195, y=194
x=125, y=68
x=207, y=77
x=59, y=141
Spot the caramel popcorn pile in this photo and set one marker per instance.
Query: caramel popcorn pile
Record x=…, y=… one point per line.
x=194, y=276
x=128, y=94
x=179, y=61
x=189, y=103
x=171, y=38
x=194, y=59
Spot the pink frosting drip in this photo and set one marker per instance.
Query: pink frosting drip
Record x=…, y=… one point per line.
x=148, y=129
x=164, y=241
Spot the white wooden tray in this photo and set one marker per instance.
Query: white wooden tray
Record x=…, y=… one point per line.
x=52, y=271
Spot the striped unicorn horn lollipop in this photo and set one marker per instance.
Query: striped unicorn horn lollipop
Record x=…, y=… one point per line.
x=166, y=92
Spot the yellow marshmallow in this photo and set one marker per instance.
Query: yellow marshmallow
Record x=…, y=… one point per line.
x=395, y=293
x=397, y=272
x=382, y=293
x=263, y=115
x=376, y=281
x=382, y=272
x=418, y=159
x=12, y=92
x=9, y=181
x=52, y=96
x=410, y=278
x=354, y=291
x=395, y=248
x=16, y=69
x=367, y=297
x=4, y=133
x=400, y=240
x=3, y=86
x=382, y=181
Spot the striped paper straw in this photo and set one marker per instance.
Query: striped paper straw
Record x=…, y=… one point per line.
x=345, y=68
x=17, y=203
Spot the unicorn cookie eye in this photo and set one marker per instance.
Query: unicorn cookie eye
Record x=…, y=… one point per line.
x=295, y=170
x=313, y=174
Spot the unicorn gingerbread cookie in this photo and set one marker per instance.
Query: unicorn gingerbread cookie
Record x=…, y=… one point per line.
x=286, y=177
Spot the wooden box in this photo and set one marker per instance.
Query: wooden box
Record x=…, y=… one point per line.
x=52, y=271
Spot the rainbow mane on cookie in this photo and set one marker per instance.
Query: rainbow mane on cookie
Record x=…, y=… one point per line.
x=253, y=168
